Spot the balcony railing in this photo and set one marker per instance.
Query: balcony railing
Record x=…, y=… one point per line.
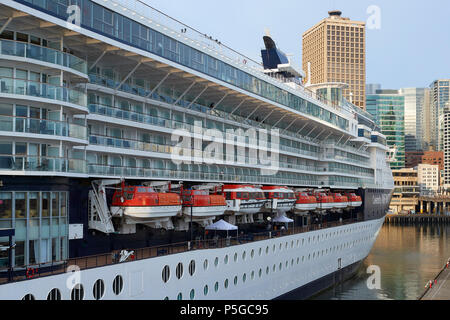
x=172, y=124
x=42, y=90
x=32, y=51
x=44, y=164
x=42, y=126
x=122, y=171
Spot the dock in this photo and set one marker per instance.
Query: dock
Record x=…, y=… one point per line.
x=402, y=219
x=439, y=288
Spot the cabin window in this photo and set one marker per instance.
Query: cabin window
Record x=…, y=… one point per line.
x=238, y=195
x=228, y=195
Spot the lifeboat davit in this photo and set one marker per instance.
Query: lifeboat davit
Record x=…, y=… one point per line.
x=144, y=205
x=324, y=202
x=281, y=199
x=305, y=203
x=354, y=201
x=340, y=201
x=202, y=205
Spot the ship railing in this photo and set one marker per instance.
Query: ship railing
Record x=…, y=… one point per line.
x=45, y=54
x=17, y=86
x=42, y=164
x=40, y=270
x=42, y=126
x=164, y=23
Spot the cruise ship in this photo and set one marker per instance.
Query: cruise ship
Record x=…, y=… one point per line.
x=141, y=159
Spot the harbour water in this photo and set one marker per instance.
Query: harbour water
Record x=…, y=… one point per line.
x=408, y=257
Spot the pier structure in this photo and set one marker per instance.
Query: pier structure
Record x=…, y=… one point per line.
x=439, y=205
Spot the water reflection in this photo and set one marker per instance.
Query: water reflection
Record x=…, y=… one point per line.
x=408, y=256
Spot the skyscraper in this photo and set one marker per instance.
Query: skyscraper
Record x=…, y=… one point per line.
x=446, y=144
x=388, y=108
x=371, y=88
x=336, y=50
x=414, y=118
x=440, y=96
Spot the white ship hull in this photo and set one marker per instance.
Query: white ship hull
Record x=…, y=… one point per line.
x=286, y=264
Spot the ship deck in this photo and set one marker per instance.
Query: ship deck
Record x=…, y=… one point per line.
x=102, y=260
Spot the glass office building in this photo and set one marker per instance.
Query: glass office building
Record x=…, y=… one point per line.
x=388, y=108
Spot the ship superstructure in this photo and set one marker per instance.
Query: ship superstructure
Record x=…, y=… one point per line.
x=99, y=119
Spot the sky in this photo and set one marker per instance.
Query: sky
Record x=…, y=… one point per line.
x=411, y=47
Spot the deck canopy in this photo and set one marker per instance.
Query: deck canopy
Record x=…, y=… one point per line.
x=222, y=226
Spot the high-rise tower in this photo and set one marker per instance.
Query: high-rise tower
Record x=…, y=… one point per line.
x=336, y=49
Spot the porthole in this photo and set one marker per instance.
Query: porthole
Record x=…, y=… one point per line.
x=235, y=257
x=280, y=266
x=180, y=296
x=166, y=298
x=165, y=274
x=244, y=255
x=235, y=280
x=225, y=284
x=244, y=277
x=205, y=264
x=77, y=292
x=273, y=248
x=281, y=246
x=260, y=251
x=252, y=254
x=28, y=297
x=274, y=268
x=192, y=267
x=292, y=262
x=252, y=275
x=287, y=264
x=260, y=273
x=267, y=250
x=267, y=270
x=192, y=294
x=99, y=289
x=216, y=261
x=205, y=290
x=225, y=260
x=292, y=244
x=216, y=286
x=118, y=285
x=179, y=270
x=54, y=294
x=286, y=245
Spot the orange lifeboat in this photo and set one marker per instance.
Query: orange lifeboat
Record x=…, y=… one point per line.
x=324, y=201
x=201, y=204
x=340, y=201
x=354, y=201
x=143, y=204
x=305, y=202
